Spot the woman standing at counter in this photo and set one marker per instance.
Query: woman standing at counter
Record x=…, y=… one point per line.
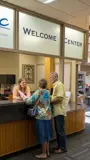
x=44, y=128
x=21, y=86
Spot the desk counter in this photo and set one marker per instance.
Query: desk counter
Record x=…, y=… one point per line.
x=17, y=131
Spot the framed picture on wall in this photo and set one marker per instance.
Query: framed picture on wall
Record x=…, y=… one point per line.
x=28, y=72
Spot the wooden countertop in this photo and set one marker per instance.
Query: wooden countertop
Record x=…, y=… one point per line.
x=75, y=107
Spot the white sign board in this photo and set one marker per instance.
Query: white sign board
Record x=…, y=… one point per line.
x=6, y=27
x=74, y=43
x=37, y=35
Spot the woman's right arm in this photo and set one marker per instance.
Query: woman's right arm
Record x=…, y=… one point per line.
x=15, y=93
x=33, y=98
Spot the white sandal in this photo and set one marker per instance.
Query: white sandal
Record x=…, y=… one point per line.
x=40, y=156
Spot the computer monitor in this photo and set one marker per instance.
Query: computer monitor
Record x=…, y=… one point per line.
x=7, y=79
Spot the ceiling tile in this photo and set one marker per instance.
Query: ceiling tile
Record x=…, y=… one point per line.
x=65, y=6
x=63, y=10
x=69, y=6
x=42, y=8
x=85, y=1
x=85, y=12
x=54, y=14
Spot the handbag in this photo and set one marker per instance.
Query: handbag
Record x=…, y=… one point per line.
x=33, y=112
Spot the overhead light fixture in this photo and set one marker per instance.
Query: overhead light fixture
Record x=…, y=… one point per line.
x=46, y=1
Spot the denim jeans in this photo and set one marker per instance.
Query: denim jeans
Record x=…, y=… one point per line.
x=60, y=132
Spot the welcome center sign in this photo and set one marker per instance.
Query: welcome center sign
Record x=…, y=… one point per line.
x=37, y=35
x=6, y=27
x=74, y=43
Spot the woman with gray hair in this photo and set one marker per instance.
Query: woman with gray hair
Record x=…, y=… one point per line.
x=44, y=129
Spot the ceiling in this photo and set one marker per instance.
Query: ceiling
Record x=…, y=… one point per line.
x=64, y=10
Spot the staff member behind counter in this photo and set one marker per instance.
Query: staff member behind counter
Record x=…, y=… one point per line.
x=21, y=86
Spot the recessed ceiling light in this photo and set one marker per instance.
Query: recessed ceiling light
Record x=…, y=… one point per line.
x=46, y=1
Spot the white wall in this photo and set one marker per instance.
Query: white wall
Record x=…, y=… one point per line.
x=40, y=70
x=31, y=60
x=40, y=60
x=9, y=63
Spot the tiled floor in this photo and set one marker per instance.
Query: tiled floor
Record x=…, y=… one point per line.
x=78, y=147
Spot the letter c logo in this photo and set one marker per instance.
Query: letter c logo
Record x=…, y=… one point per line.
x=65, y=40
x=2, y=22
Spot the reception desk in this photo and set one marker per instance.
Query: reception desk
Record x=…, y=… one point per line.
x=17, y=131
